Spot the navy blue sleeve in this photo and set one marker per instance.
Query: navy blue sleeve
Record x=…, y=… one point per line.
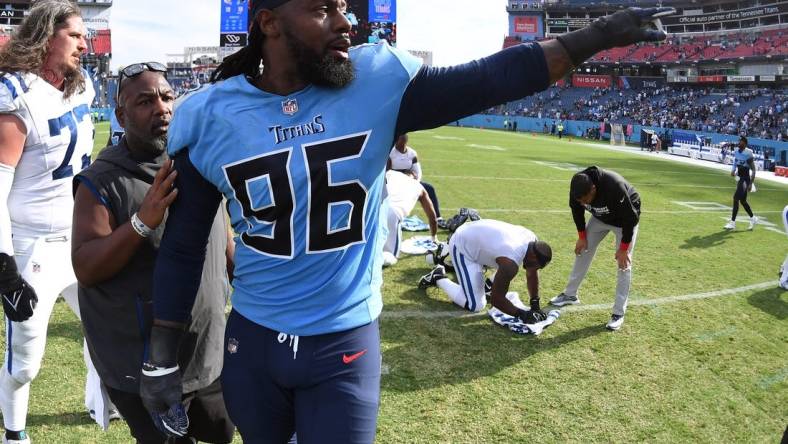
x=176, y=277
x=437, y=96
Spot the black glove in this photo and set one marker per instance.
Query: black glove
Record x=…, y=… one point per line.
x=623, y=28
x=161, y=385
x=19, y=298
x=531, y=316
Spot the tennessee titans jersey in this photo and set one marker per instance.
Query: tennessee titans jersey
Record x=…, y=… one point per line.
x=303, y=176
x=741, y=162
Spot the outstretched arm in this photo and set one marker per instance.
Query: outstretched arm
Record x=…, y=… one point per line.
x=437, y=96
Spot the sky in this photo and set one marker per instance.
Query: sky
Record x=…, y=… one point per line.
x=456, y=31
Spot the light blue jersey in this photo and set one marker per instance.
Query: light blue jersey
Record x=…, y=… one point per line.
x=741, y=162
x=303, y=176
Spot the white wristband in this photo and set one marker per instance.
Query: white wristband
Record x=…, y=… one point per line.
x=139, y=226
x=159, y=371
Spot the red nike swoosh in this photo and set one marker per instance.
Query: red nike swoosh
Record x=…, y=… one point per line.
x=348, y=359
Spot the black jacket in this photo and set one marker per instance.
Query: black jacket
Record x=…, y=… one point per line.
x=617, y=203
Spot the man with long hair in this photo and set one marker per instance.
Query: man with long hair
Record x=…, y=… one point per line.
x=46, y=136
x=299, y=149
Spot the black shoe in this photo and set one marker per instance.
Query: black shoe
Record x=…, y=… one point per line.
x=431, y=278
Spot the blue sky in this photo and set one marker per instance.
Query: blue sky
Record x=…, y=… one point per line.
x=455, y=30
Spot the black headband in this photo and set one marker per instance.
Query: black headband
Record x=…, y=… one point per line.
x=257, y=5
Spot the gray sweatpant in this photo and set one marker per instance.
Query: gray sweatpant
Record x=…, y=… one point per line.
x=596, y=230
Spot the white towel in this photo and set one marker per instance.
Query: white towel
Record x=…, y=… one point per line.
x=514, y=324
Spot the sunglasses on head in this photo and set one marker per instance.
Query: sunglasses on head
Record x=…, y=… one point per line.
x=136, y=69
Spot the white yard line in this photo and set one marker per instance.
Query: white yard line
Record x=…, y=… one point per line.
x=423, y=314
x=638, y=184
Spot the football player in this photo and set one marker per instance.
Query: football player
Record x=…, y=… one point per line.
x=403, y=193
x=46, y=136
x=300, y=150
x=743, y=167
x=404, y=159
x=784, y=267
x=492, y=244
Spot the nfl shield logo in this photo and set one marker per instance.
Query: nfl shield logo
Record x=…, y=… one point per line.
x=290, y=107
x=36, y=267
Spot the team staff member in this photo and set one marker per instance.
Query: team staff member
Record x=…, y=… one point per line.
x=120, y=206
x=497, y=245
x=46, y=136
x=614, y=205
x=404, y=159
x=743, y=167
x=300, y=151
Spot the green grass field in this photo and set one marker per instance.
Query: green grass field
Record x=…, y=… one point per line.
x=707, y=369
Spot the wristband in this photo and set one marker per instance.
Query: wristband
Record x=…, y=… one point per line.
x=624, y=246
x=140, y=227
x=582, y=234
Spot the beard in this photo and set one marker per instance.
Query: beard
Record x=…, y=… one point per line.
x=321, y=70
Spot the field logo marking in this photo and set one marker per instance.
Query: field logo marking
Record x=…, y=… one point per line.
x=703, y=206
x=563, y=166
x=763, y=222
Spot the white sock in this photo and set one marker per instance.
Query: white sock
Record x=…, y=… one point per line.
x=13, y=401
x=453, y=291
x=784, y=277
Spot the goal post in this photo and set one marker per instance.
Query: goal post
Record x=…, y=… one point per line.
x=617, y=135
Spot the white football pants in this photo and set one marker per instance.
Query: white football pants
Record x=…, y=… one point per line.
x=784, y=276
x=469, y=294
x=394, y=237
x=45, y=263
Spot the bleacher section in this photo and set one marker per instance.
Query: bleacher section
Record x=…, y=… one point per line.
x=757, y=112
x=702, y=48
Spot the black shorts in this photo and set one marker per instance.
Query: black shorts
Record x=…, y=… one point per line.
x=208, y=418
x=324, y=387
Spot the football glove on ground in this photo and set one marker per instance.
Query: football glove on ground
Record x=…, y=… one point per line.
x=19, y=298
x=531, y=316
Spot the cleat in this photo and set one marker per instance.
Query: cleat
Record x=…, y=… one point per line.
x=23, y=439
x=564, y=299
x=488, y=283
x=753, y=222
x=431, y=278
x=731, y=225
x=615, y=323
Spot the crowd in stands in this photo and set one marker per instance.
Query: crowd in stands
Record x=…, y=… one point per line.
x=700, y=48
x=759, y=112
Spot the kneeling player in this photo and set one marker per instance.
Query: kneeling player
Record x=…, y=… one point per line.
x=403, y=192
x=497, y=245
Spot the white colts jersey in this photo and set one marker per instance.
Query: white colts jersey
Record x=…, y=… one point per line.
x=58, y=145
x=485, y=240
x=403, y=192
